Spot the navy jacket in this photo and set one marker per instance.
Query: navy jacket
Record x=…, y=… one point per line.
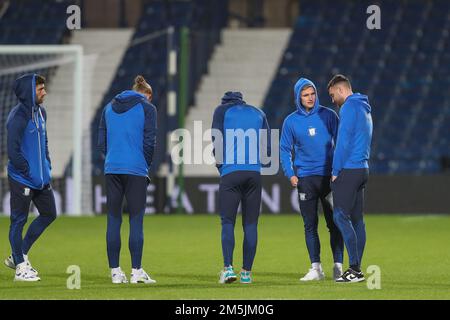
x=239, y=125
x=127, y=134
x=29, y=161
x=311, y=135
x=355, y=134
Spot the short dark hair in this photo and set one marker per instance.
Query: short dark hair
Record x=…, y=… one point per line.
x=40, y=79
x=338, y=79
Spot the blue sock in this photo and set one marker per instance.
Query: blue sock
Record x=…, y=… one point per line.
x=18, y=221
x=348, y=233
x=227, y=243
x=250, y=242
x=113, y=239
x=35, y=230
x=136, y=239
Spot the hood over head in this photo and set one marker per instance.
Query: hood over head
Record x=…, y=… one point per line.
x=25, y=90
x=301, y=83
x=232, y=98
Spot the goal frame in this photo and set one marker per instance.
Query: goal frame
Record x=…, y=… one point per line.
x=77, y=51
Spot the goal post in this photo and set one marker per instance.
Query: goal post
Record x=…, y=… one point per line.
x=19, y=59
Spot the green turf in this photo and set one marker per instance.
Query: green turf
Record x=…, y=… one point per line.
x=183, y=254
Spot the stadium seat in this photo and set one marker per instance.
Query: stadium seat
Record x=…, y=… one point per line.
x=33, y=22
x=205, y=20
x=407, y=78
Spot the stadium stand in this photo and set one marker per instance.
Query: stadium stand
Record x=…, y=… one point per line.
x=204, y=18
x=403, y=68
x=33, y=22
x=30, y=22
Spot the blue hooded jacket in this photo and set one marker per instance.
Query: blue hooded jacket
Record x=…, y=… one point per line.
x=29, y=161
x=355, y=134
x=232, y=117
x=311, y=135
x=127, y=134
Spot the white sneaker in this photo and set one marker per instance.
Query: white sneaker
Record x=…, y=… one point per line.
x=23, y=273
x=227, y=275
x=313, y=274
x=351, y=276
x=140, y=276
x=9, y=262
x=337, y=271
x=118, y=276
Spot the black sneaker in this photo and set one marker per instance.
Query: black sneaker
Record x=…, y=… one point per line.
x=351, y=276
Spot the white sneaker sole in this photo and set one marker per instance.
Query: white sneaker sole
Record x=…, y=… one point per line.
x=306, y=280
x=143, y=281
x=27, y=280
x=119, y=282
x=352, y=281
x=314, y=279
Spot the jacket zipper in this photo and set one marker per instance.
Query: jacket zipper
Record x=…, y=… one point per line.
x=40, y=150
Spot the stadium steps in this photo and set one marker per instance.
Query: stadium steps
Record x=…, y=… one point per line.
x=103, y=51
x=245, y=61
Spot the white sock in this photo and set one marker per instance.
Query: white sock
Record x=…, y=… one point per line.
x=116, y=270
x=338, y=265
x=133, y=271
x=317, y=266
x=25, y=257
x=21, y=265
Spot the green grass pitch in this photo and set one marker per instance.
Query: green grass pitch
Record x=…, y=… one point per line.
x=183, y=253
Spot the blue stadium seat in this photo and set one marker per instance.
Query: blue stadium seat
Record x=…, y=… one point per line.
x=407, y=77
x=150, y=58
x=27, y=22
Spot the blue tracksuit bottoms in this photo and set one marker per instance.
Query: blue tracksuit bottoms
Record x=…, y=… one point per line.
x=311, y=189
x=244, y=188
x=348, y=197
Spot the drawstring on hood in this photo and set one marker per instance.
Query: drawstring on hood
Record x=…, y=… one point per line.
x=301, y=83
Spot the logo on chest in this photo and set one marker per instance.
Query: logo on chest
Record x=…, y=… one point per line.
x=311, y=132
